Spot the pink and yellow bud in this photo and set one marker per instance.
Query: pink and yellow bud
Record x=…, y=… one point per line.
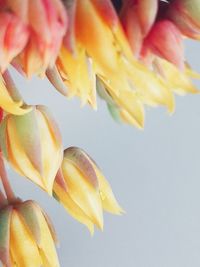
x=186, y=15
x=132, y=28
x=32, y=144
x=115, y=65
x=14, y=35
x=83, y=190
x=165, y=40
x=137, y=19
x=27, y=238
x=48, y=23
x=69, y=38
x=147, y=11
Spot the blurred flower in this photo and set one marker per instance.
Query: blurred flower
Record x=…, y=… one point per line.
x=32, y=144
x=83, y=190
x=74, y=43
x=179, y=81
x=97, y=28
x=166, y=41
x=27, y=237
x=120, y=106
x=137, y=19
x=47, y=21
x=14, y=35
x=186, y=15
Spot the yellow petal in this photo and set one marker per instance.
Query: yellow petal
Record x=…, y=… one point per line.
x=8, y=104
x=23, y=248
x=130, y=102
x=109, y=201
x=51, y=153
x=126, y=118
x=178, y=81
x=73, y=209
x=17, y=156
x=95, y=36
x=46, y=244
x=150, y=87
x=80, y=75
x=83, y=193
x=191, y=73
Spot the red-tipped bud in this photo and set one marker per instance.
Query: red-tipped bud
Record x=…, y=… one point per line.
x=132, y=28
x=48, y=23
x=165, y=40
x=13, y=38
x=186, y=15
x=137, y=19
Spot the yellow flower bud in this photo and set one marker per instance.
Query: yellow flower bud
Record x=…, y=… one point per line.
x=83, y=190
x=27, y=238
x=32, y=145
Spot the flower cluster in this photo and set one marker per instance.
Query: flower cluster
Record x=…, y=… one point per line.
x=130, y=52
x=109, y=47
x=27, y=236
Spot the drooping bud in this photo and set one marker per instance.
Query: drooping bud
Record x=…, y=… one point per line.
x=32, y=144
x=165, y=40
x=14, y=35
x=27, y=238
x=186, y=15
x=48, y=23
x=132, y=28
x=83, y=190
x=120, y=105
x=69, y=40
x=147, y=11
x=137, y=19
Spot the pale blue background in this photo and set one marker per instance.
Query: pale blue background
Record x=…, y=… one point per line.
x=154, y=173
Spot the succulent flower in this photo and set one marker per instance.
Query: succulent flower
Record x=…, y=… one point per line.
x=27, y=238
x=137, y=19
x=166, y=41
x=10, y=99
x=46, y=17
x=186, y=15
x=130, y=52
x=14, y=35
x=32, y=145
x=116, y=42
x=83, y=190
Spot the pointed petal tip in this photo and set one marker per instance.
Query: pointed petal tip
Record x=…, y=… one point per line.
x=170, y=104
x=99, y=224
x=119, y=212
x=91, y=230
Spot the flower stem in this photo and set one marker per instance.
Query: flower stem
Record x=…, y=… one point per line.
x=6, y=184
